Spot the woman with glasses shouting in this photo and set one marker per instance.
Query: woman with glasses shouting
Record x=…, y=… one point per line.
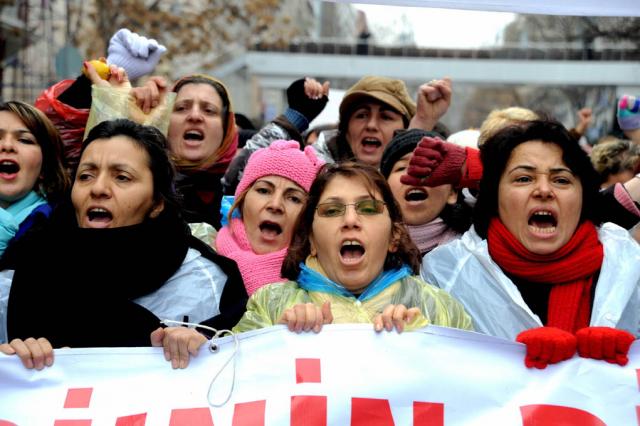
x=351, y=261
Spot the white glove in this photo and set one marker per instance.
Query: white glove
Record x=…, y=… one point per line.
x=138, y=55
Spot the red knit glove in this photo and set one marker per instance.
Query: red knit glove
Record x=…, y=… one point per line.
x=547, y=345
x=609, y=344
x=435, y=162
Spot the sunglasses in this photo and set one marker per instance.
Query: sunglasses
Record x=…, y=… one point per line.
x=363, y=208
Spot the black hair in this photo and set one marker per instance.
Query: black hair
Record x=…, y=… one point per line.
x=495, y=154
x=154, y=144
x=457, y=216
x=243, y=122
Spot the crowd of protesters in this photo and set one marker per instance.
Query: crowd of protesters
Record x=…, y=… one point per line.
x=121, y=228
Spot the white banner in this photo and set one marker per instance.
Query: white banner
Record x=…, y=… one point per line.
x=346, y=374
x=544, y=7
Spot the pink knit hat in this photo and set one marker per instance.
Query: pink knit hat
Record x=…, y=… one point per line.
x=282, y=158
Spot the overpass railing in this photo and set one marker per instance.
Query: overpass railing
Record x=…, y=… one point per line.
x=530, y=51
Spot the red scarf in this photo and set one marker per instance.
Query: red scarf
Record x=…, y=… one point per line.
x=569, y=270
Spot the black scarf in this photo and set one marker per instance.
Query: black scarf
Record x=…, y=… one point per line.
x=201, y=191
x=76, y=286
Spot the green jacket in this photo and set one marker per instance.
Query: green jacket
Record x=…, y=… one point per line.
x=265, y=307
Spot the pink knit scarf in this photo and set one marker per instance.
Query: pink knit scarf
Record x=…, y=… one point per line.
x=257, y=269
x=430, y=235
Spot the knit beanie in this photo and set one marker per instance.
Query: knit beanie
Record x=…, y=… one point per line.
x=282, y=158
x=383, y=89
x=402, y=143
x=629, y=112
x=138, y=55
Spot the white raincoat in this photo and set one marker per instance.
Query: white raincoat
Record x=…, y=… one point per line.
x=465, y=269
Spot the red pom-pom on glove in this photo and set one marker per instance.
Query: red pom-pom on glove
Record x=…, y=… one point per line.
x=606, y=343
x=435, y=162
x=547, y=345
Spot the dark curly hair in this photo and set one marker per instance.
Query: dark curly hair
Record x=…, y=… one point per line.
x=495, y=154
x=300, y=247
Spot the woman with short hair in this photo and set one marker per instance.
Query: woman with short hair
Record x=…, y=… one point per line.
x=537, y=266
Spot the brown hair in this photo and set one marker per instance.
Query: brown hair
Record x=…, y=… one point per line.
x=238, y=202
x=55, y=181
x=300, y=247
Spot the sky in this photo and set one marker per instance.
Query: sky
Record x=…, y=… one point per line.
x=443, y=27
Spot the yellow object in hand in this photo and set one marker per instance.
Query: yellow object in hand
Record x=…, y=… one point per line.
x=101, y=67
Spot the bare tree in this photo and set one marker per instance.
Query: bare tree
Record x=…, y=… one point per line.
x=593, y=35
x=206, y=28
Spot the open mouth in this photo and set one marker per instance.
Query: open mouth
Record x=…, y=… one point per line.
x=193, y=135
x=416, y=194
x=371, y=143
x=270, y=229
x=99, y=215
x=9, y=167
x=543, y=221
x=351, y=251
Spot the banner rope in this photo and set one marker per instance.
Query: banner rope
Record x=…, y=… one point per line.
x=214, y=348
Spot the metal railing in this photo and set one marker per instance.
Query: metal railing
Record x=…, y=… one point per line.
x=530, y=51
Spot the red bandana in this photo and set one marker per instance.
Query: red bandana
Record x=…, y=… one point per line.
x=569, y=270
